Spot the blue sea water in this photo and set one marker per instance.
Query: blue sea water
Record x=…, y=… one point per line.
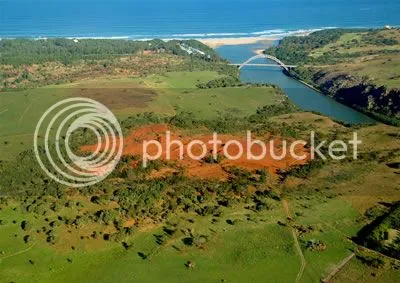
x=139, y=19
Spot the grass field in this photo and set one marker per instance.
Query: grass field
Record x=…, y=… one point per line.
x=355, y=271
x=333, y=227
x=256, y=248
x=334, y=199
x=164, y=94
x=380, y=63
x=251, y=250
x=383, y=69
x=260, y=231
x=353, y=43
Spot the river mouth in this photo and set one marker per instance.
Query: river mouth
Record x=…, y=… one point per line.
x=301, y=95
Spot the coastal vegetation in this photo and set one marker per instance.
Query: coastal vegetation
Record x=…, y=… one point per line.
x=165, y=94
x=383, y=233
x=28, y=63
x=193, y=221
x=356, y=67
x=161, y=218
x=18, y=52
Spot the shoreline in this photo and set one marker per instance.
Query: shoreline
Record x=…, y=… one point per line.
x=258, y=51
x=218, y=42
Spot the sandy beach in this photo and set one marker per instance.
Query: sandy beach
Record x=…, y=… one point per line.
x=217, y=42
x=259, y=51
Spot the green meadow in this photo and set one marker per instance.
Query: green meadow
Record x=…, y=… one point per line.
x=166, y=94
x=250, y=222
x=256, y=247
x=240, y=244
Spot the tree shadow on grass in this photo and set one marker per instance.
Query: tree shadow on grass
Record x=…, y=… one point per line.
x=142, y=255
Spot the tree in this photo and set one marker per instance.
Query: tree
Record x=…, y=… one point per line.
x=25, y=225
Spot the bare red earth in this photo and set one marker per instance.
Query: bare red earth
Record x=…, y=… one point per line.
x=133, y=145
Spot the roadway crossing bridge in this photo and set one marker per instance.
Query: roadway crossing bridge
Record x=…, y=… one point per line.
x=265, y=56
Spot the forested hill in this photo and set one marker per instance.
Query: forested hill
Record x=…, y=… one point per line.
x=27, y=63
x=301, y=50
x=358, y=67
x=27, y=51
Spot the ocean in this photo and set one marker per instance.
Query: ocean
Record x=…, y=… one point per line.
x=145, y=19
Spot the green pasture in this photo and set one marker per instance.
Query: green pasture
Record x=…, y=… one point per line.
x=255, y=250
x=164, y=94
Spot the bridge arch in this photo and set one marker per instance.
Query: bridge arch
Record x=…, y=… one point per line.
x=264, y=56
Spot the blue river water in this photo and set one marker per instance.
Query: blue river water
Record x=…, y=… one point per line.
x=301, y=95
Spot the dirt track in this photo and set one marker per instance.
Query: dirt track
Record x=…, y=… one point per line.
x=285, y=204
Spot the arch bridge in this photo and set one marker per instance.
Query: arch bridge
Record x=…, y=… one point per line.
x=265, y=56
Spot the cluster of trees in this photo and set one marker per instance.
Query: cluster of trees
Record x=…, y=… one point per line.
x=272, y=110
x=304, y=171
x=260, y=122
x=23, y=177
x=375, y=37
x=68, y=64
x=197, y=64
x=221, y=82
x=296, y=50
x=139, y=197
x=358, y=92
x=377, y=235
x=26, y=52
x=229, y=81
x=371, y=259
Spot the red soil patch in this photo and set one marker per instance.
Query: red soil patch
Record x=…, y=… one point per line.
x=129, y=223
x=148, y=52
x=133, y=145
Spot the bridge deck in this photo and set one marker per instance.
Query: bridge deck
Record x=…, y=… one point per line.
x=263, y=65
x=265, y=56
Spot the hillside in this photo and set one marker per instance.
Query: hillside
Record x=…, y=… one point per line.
x=26, y=63
x=357, y=67
x=219, y=221
x=211, y=218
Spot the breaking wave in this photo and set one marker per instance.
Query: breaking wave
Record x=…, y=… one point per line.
x=272, y=33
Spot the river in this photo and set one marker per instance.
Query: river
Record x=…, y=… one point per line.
x=304, y=97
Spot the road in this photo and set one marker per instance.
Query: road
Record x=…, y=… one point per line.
x=285, y=204
x=264, y=65
x=337, y=269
